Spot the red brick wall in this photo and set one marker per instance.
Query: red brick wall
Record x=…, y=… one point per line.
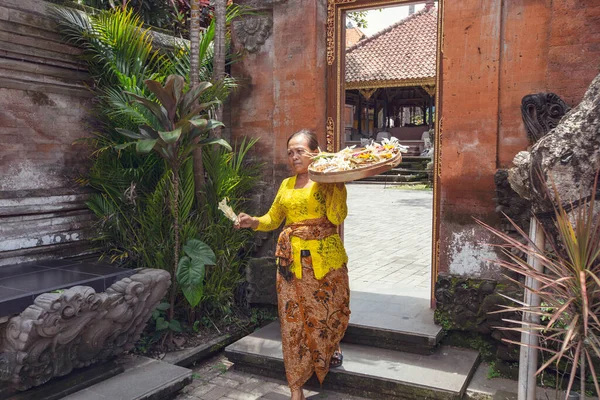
x=574, y=47
x=495, y=52
x=44, y=108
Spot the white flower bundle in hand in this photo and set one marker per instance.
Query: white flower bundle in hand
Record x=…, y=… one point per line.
x=228, y=211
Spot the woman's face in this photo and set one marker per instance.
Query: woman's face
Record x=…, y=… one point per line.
x=299, y=155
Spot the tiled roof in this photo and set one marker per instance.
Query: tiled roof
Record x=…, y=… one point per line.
x=353, y=36
x=403, y=51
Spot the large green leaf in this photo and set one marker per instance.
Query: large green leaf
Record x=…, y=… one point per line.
x=161, y=324
x=155, y=108
x=192, y=95
x=190, y=276
x=145, y=145
x=148, y=132
x=199, y=251
x=175, y=326
x=213, y=123
x=199, y=123
x=171, y=136
x=218, y=141
x=202, y=126
x=129, y=134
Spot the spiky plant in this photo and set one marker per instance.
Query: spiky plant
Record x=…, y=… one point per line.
x=569, y=288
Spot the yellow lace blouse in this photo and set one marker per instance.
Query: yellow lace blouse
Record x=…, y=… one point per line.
x=315, y=201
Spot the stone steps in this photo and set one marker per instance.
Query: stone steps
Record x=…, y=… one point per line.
x=387, y=178
x=404, y=171
x=143, y=379
x=368, y=371
x=407, y=171
x=402, y=323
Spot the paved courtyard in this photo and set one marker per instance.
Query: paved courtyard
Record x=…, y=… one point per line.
x=387, y=235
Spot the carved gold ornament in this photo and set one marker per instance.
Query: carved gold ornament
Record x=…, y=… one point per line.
x=391, y=83
x=330, y=28
x=430, y=89
x=330, y=133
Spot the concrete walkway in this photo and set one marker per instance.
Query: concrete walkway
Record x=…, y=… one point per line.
x=387, y=235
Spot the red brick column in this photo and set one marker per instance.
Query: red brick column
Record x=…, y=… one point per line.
x=282, y=86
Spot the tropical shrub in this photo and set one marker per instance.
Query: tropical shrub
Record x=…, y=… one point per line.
x=180, y=124
x=136, y=196
x=569, y=290
x=229, y=175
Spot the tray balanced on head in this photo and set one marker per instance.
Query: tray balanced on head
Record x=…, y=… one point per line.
x=351, y=164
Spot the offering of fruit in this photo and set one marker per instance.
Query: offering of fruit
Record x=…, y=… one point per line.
x=352, y=158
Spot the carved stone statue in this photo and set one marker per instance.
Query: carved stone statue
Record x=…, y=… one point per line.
x=567, y=158
x=252, y=31
x=78, y=327
x=542, y=112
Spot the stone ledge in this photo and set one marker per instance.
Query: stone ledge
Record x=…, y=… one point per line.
x=368, y=371
x=187, y=357
x=72, y=383
x=20, y=284
x=144, y=379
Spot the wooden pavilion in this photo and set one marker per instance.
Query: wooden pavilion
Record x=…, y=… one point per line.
x=390, y=81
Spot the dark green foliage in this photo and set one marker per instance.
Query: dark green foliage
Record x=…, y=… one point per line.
x=170, y=15
x=232, y=176
x=179, y=127
x=135, y=194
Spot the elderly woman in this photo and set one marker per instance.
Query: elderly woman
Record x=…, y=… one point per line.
x=312, y=280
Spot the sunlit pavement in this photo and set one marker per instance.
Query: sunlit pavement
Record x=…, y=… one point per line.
x=387, y=235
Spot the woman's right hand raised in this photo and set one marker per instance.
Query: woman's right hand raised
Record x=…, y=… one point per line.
x=246, y=221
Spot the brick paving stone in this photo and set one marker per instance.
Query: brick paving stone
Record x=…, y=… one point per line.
x=260, y=388
x=218, y=392
x=235, y=394
x=203, y=388
x=275, y=396
x=387, y=235
x=225, y=381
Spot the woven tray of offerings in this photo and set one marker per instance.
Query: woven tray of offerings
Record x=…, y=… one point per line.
x=352, y=163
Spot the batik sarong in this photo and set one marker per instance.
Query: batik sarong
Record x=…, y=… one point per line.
x=314, y=316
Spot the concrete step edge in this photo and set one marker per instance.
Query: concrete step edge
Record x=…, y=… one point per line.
x=144, y=378
x=260, y=355
x=411, y=342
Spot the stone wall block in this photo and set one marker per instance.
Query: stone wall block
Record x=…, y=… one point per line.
x=260, y=275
